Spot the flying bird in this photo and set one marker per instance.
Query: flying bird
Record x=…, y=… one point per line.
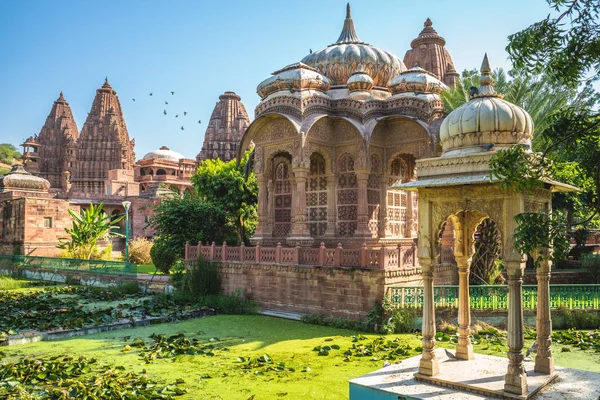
x=166, y=102
x=150, y=94
x=184, y=113
x=172, y=93
x=532, y=349
x=200, y=121
x=176, y=115
x=133, y=99
x=450, y=355
x=165, y=112
x=182, y=127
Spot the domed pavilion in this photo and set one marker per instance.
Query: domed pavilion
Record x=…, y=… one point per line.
x=457, y=190
x=332, y=133
x=163, y=169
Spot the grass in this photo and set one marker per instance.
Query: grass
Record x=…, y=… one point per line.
x=221, y=376
x=146, y=269
x=9, y=283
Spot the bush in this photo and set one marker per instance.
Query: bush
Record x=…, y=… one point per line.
x=591, y=263
x=202, y=279
x=341, y=323
x=104, y=254
x=577, y=319
x=386, y=318
x=236, y=304
x=139, y=251
x=163, y=256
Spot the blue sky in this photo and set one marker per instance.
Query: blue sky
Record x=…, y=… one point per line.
x=199, y=49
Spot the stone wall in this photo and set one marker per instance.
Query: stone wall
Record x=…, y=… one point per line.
x=445, y=274
x=334, y=291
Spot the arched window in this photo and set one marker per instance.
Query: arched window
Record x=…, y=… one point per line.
x=161, y=172
x=316, y=196
x=347, y=196
x=282, y=196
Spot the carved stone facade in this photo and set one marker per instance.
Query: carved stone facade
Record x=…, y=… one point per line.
x=428, y=52
x=331, y=134
x=228, y=122
x=104, y=144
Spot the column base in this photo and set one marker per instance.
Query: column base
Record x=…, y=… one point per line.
x=465, y=352
x=544, y=365
x=429, y=367
x=516, y=384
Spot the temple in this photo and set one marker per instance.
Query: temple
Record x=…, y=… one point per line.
x=228, y=122
x=332, y=133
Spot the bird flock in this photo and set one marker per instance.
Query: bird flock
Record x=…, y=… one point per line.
x=165, y=113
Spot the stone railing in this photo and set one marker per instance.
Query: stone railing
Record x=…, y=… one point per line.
x=400, y=256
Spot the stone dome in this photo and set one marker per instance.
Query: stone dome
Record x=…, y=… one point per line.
x=359, y=80
x=339, y=60
x=164, y=154
x=486, y=120
x=417, y=79
x=295, y=77
x=19, y=179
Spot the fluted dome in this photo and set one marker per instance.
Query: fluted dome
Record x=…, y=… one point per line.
x=417, y=79
x=359, y=80
x=486, y=120
x=19, y=179
x=164, y=154
x=295, y=77
x=339, y=60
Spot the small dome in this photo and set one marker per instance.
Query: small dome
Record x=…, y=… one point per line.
x=486, y=119
x=417, y=79
x=19, y=179
x=294, y=77
x=339, y=60
x=360, y=80
x=164, y=154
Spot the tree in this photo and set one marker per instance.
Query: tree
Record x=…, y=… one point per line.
x=225, y=184
x=88, y=226
x=178, y=220
x=8, y=153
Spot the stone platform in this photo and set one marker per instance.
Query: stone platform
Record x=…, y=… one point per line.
x=482, y=378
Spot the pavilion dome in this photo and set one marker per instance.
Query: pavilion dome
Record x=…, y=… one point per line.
x=19, y=179
x=417, y=79
x=164, y=154
x=341, y=59
x=486, y=121
x=294, y=77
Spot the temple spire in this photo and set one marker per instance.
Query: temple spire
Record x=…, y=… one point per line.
x=106, y=84
x=348, y=34
x=485, y=79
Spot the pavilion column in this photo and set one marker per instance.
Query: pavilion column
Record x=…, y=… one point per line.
x=515, y=380
x=383, y=218
x=271, y=209
x=429, y=363
x=544, y=362
x=408, y=228
x=331, y=207
x=464, y=348
x=300, y=215
x=263, y=212
x=362, y=212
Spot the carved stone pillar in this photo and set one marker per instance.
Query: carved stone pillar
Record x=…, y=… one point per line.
x=429, y=363
x=362, y=212
x=300, y=234
x=271, y=209
x=464, y=348
x=544, y=362
x=331, y=207
x=515, y=380
x=408, y=228
x=263, y=211
x=383, y=218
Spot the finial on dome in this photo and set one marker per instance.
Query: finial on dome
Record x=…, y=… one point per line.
x=61, y=98
x=485, y=79
x=348, y=34
x=106, y=84
x=428, y=22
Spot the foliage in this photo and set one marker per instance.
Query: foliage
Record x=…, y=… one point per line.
x=65, y=377
x=104, y=254
x=385, y=317
x=164, y=256
x=178, y=220
x=139, y=250
x=202, y=279
x=591, y=263
x=225, y=184
x=380, y=348
x=576, y=319
x=485, y=267
x=537, y=231
x=236, y=304
x=8, y=153
x=9, y=283
x=341, y=323
x=88, y=227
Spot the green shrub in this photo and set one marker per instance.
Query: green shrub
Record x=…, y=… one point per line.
x=591, y=263
x=163, y=256
x=341, y=323
x=202, y=279
x=577, y=319
x=104, y=254
x=139, y=251
x=401, y=320
x=236, y=304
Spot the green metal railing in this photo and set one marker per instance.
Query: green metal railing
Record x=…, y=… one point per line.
x=495, y=297
x=98, y=267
